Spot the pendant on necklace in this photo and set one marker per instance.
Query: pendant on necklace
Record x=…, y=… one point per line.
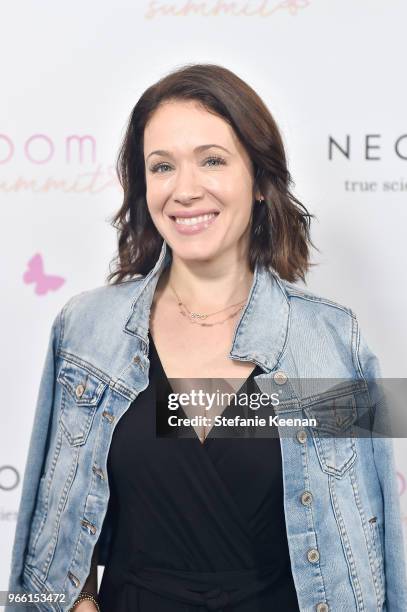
x=196, y=315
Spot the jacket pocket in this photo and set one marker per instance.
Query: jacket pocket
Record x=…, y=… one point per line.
x=81, y=395
x=378, y=569
x=333, y=433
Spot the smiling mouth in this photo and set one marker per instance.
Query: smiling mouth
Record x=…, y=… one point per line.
x=191, y=221
x=189, y=226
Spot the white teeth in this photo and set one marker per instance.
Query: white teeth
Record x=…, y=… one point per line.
x=194, y=220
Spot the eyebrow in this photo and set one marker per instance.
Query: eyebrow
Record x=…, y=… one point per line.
x=196, y=150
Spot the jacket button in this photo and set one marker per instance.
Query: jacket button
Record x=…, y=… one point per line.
x=79, y=390
x=91, y=528
x=306, y=498
x=280, y=377
x=136, y=359
x=108, y=416
x=322, y=607
x=75, y=581
x=302, y=436
x=313, y=555
x=98, y=472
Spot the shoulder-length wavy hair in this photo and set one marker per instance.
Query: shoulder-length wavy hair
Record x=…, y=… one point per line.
x=280, y=226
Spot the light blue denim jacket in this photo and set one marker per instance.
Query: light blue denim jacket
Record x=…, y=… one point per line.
x=341, y=498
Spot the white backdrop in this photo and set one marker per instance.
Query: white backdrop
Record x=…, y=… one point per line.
x=330, y=72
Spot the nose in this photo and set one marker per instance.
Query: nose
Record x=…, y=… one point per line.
x=187, y=186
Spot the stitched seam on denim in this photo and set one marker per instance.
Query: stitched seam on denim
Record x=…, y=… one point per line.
x=62, y=318
x=85, y=365
x=95, y=483
x=348, y=390
x=32, y=547
x=281, y=285
x=328, y=469
x=46, y=500
x=355, y=354
x=113, y=383
x=308, y=409
x=292, y=405
x=146, y=278
x=247, y=310
x=122, y=390
x=61, y=505
x=52, y=469
x=94, y=401
x=319, y=444
x=372, y=408
x=321, y=300
x=355, y=488
x=310, y=514
x=42, y=586
x=62, y=328
x=134, y=299
x=129, y=366
x=355, y=338
x=78, y=439
x=285, y=331
x=116, y=386
x=374, y=530
x=350, y=561
x=81, y=534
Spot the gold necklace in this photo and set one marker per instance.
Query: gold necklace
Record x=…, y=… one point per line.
x=193, y=316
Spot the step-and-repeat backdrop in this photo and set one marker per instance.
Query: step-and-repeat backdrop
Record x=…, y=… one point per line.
x=333, y=75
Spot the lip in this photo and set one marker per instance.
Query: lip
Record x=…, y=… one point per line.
x=188, y=230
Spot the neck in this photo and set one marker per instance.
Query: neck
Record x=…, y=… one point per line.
x=206, y=286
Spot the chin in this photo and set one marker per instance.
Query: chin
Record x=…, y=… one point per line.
x=198, y=252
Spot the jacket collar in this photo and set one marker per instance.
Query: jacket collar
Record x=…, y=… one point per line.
x=261, y=333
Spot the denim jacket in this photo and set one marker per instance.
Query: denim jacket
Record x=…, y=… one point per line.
x=341, y=500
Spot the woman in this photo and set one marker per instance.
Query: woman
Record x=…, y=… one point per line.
x=210, y=239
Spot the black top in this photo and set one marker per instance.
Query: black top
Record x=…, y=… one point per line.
x=197, y=526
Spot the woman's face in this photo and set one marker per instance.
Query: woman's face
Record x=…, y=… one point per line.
x=199, y=182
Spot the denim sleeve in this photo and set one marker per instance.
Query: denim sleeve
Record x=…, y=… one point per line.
x=383, y=452
x=37, y=450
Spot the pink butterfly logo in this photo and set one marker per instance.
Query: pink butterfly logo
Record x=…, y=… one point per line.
x=43, y=282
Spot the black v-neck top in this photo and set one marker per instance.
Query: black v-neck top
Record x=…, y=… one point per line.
x=197, y=527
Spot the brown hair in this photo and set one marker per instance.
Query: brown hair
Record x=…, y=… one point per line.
x=280, y=235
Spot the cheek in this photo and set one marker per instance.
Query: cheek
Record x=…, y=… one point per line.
x=152, y=205
x=157, y=192
x=154, y=198
x=233, y=187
